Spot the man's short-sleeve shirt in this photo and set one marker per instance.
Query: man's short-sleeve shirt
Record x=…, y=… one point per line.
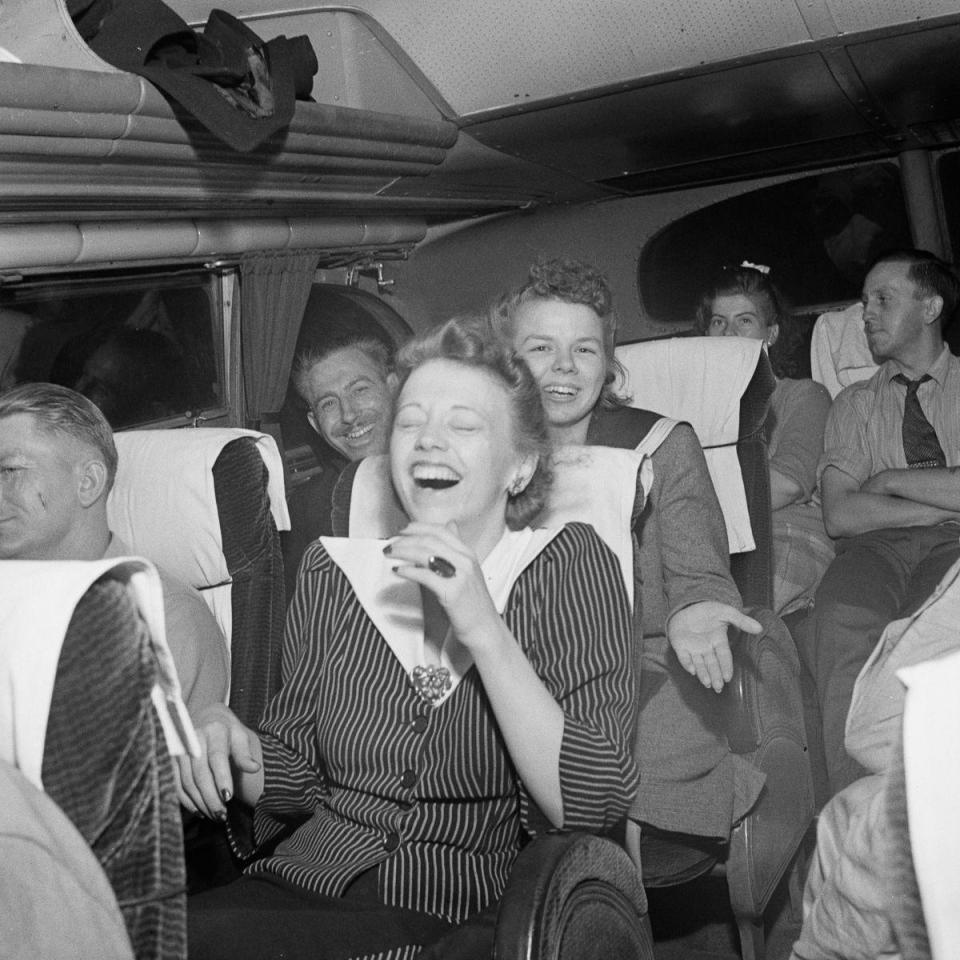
x=864, y=433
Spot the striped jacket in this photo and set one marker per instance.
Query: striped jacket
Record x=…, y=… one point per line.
x=369, y=776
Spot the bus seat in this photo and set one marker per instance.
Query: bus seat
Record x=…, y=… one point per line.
x=92, y=717
x=722, y=387
x=839, y=354
x=921, y=810
x=207, y=505
x=763, y=702
x=762, y=705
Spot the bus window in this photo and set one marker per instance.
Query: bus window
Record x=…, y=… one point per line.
x=817, y=234
x=145, y=347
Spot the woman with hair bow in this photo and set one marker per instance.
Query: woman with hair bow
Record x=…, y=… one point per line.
x=743, y=301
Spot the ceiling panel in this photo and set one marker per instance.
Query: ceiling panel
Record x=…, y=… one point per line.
x=852, y=16
x=499, y=53
x=496, y=54
x=928, y=54
x=755, y=107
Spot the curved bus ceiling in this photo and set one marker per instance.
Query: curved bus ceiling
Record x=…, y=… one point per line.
x=635, y=96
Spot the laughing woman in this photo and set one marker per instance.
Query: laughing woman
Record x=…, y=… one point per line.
x=561, y=323
x=446, y=693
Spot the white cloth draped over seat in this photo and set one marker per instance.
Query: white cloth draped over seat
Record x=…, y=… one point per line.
x=839, y=354
x=598, y=485
x=931, y=756
x=37, y=602
x=700, y=380
x=163, y=504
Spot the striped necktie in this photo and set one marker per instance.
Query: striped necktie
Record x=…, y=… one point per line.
x=920, y=443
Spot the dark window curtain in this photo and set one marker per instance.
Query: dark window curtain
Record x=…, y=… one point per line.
x=273, y=295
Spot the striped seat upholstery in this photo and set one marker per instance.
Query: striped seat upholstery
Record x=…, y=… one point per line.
x=107, y=766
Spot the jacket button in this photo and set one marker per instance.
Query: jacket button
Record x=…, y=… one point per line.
x=408, y=779
x=420, y=723
x=390, y=842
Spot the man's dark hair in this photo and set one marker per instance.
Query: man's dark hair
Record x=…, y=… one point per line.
x=931, y=276
x=377, y=350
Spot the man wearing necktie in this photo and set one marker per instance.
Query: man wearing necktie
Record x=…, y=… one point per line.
x=890, y=483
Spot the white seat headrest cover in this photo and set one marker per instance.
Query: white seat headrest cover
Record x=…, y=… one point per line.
x=839, y=354
x=701, y=380
x=163, y=504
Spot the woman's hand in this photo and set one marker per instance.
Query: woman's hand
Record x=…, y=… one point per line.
x=227, y=747
x=698, y=635
x=435, y=557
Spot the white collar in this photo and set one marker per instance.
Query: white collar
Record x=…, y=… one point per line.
x=394, y=605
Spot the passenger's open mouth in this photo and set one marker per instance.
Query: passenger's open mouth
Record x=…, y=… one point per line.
x=430, y=477
x=358, y=433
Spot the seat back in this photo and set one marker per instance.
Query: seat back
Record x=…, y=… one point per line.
x=722, y=387
x=118, y=786
x=206, y=505
x=93, y=716
x=925, y=834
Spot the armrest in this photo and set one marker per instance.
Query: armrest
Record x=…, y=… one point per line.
x=766, y=677
x=573, y=895
x=764, y=715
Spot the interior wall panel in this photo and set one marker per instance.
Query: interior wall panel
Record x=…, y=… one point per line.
x=463, y=271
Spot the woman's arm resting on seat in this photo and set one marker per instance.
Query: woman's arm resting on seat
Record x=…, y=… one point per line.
x=784, y=490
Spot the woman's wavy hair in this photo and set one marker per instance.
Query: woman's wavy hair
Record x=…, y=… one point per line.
x=570, y=281
x=756, y=285
x=472, y=341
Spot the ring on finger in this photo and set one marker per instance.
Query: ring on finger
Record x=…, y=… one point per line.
x=442, y=568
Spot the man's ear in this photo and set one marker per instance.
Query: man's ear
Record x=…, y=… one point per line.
x=392, y=381
x=932, y=308
x=312, y=420
x=92, y=481
x=773, y=331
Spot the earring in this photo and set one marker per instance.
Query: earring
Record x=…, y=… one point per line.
x=516, y=487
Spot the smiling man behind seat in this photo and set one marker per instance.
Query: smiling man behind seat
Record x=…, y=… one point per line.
x=349, y=387
x=891, y=492
x=57, y=465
